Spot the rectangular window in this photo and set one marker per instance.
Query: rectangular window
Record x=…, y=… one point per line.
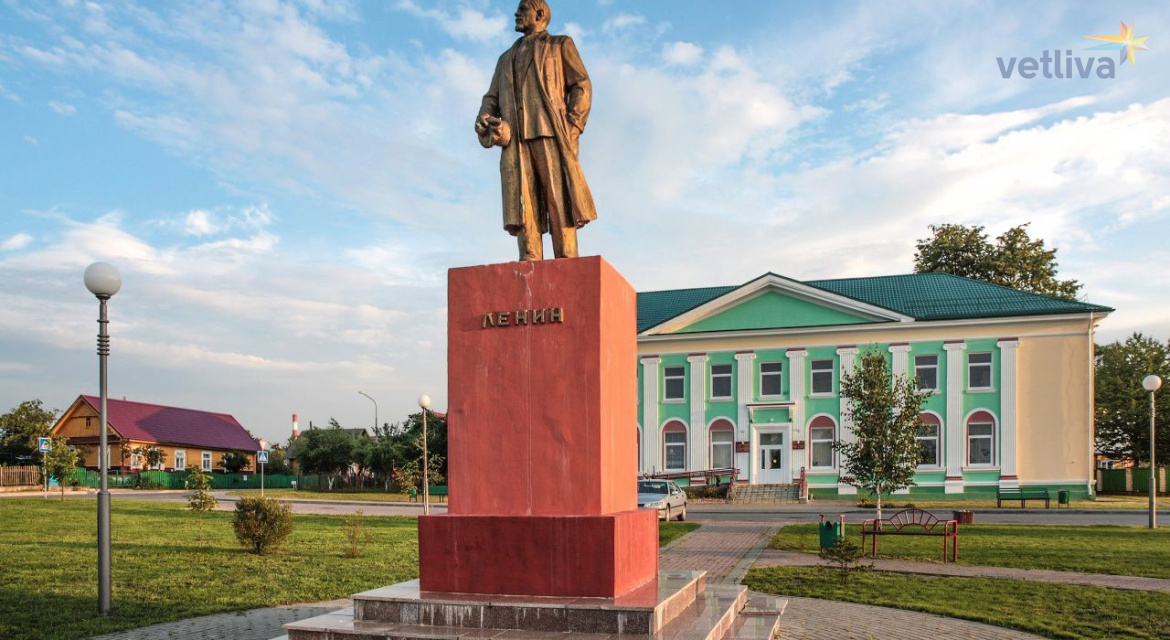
x=720, y=381
x=674, y=378
x=928, y=445
x=180, y=460
x=722, y=448
x=771, y=378
x=822, y=377
x=206, y=461
x=135, y=460
x=676, y=450
x=821, y=443
x=979, y=371
x=926, y=372
x=979, y=440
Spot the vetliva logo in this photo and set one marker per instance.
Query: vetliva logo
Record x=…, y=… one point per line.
x=1056, y=65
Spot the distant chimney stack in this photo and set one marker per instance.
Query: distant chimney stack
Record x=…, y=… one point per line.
x=296, y=431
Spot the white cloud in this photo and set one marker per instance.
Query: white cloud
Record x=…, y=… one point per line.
x=31, y=141
x=62, y=108
x=18, y=241
x=622, y=21
x=682, y=53
x=198, y=222
x=465, y=23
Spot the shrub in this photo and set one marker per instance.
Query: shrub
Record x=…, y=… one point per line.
x=262, y=523
x=707, y=491
x=845, y=556
x=357, y=536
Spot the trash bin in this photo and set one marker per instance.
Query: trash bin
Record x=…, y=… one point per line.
x=964, y=516
x=1062, y=499
x=830, y=532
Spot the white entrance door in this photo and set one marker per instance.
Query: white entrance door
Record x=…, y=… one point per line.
x=772, y=458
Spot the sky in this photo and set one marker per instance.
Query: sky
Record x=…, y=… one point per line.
x=284, y=183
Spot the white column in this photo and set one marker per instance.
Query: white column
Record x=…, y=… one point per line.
x=744, y=392
x=650, y=436
x=695, y=435
x=901, y=353
x=1008, y=431
x=796, y=394
x=848, y=364
x=954, y=418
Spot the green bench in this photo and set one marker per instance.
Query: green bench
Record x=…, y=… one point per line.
x=1023, y=495
x=439, y=491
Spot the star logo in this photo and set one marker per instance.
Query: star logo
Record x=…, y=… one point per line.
x=1125, y=41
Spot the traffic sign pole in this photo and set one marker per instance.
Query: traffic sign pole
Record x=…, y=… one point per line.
x=45, y=445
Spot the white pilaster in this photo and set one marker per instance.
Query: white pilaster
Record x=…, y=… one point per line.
x=651, y=439
x=954, y=417
x=901, y=360
x=848, y=364
x=1008, y=413
x=796, y=378
x=745, y=392
x=696, y=436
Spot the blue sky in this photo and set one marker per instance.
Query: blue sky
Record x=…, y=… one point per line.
x=283, y=184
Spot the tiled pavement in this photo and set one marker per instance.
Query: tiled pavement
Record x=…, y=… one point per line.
x=808, y=618
x=719, y=548
x=777, y=558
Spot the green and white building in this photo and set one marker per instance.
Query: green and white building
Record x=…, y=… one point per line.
x=749, y=376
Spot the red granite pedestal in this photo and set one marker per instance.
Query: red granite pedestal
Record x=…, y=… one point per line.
x=541, y=441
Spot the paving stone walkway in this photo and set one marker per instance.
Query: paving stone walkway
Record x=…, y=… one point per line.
x=812, y=619
x=725, y=550
x=778, y=558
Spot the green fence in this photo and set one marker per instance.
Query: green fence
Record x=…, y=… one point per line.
x=1138, y=480
x=178, y=480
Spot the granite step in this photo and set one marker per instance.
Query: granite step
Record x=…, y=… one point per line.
x=709, y=617
x=754, y=627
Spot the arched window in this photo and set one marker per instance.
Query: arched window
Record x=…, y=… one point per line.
x=674, y=446
x=981, y=439
x=722, y=444
x=929, y=427
x=822, y=431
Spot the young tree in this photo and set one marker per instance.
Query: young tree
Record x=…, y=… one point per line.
x=61, y=461
x=152, y=456
x=325, y=451
x=1015, y=260
x=235, y=461
x=885, y=412
x=1123, y=406
x=20, y=428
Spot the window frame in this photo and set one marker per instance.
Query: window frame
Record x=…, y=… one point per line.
x=937, y=438
x=717, y=428
x=670, y=430
x=730, y=375
x=934, y=366
x=667, y=378
x=205, y=461
x=989, y=437
x=831, y=371
x=813, y=442
x=779, y=374
x=990, y=370
x=177, y=466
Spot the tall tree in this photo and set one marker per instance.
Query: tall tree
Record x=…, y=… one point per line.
x=325, y=451
x=1123, y=406
x=1015, y=260
x=885, y=410
x=19, y=430
x=235, y=461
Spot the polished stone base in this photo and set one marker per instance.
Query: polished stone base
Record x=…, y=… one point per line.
x=680, y=606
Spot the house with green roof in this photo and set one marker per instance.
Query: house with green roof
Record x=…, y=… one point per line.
x=747, y=378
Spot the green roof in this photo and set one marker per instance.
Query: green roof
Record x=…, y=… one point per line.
x=922, y=296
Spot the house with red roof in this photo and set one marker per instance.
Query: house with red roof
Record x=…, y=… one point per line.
x=186, y=436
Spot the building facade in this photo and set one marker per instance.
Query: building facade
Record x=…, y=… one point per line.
x=187, y=437
x=748, y=377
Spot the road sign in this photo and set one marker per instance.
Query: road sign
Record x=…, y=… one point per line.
x=262, y=457
x=45, y=445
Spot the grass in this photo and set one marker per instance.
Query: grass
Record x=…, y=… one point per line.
x=670, y=531
x=169, y=564
x=307, y=494
x=1051, y=610
x=1094, y=549
x=166, y=568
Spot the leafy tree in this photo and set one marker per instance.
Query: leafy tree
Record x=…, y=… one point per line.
x=235, y=461
x=61, y=461
x=20, y=428
x=885, y=411
x=1123, y=405
x=1015, y=260
x=152, y=455
x=385, y=454
x=325, y=451
x=278, y=462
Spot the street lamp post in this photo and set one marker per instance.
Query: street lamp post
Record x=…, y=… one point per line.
x=424, y=401
x=1152, y=383
x=103, y=281
x=375, y=409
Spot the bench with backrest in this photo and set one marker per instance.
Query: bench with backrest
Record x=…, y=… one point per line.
x=913, y=522
x=439, y=491
x=1023, y=495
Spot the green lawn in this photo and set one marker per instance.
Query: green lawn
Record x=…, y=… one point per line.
x=306, y=494
x=671, y=531
x=1099, y=549
x=165, y=567
x=1051, y=610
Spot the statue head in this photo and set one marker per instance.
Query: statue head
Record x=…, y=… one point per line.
x=533, y=16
